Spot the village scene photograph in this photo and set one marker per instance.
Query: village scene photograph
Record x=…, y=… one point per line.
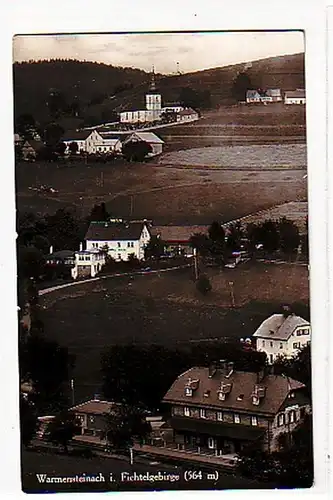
x=164, y=328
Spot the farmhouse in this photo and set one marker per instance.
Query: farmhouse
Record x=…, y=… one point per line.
x=152, y=139
x=86, y=140
x=177, y=238
x=253, y=96
x=31, y=148
x=295, y=97
x=187, y=115
x=221, y=409
x=118, y=238
x=274, y=95
x=87, y=263
x=282, y=335
x=91, y=416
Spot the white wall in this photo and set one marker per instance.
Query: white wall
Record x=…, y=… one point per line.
x=283, y=347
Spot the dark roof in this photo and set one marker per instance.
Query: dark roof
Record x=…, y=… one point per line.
x=177, y=234
x=77, y=135
x=298, y=93
x=114, y=231
x=36, y=145
x=94, y=407
x=277, y=389
x=280, y=327
x=233, y=431
x=61, y=254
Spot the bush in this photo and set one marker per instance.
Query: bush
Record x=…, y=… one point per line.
x=203, y=284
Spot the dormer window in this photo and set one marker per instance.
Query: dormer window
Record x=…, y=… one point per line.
x=255, y=400
x=240, y=397
x=188, y=391
x=207, y=394
x=221, y=396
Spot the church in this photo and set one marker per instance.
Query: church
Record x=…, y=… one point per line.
x=153, y=111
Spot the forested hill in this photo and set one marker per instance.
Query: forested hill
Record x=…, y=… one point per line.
x=91, y=93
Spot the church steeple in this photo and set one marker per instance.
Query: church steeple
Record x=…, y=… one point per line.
x=152, y=86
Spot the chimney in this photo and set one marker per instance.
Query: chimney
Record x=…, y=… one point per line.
x=230, y=369
x=51, y=249
x=286, y=310
x=223, y=366
x=212, y=370
x=81, y=247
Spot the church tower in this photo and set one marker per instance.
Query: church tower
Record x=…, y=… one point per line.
x=153, y=98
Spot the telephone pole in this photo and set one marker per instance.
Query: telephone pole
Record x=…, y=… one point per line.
x=231, y=284
x=73, y=394
x=196, y=271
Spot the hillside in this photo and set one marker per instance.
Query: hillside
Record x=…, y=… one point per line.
x=92, y=93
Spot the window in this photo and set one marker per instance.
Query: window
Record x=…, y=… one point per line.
x=87, y=257
x=292, y=416
x=211, y=443
x=186, y=411
x=271, y=344
x=296, y=345
x=119, y=244
x=254, y=420
x=188, y=391
x=281, y=345
x=271, y=358
x=91, y=420
x=219, y=416
x=128, y=244
x=119, y=256
x=236, y=418
x=202, y=413
x=263, y=343
x=281, y=419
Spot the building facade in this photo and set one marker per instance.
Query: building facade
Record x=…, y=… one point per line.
x=282, y=335
x=295, y=97
x=221, y=409
x=88, y=263
x=155, y=142
x=177, y=239
x=120, y=239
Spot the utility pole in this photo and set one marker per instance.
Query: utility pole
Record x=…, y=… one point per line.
x=231, y=284
x=73, y=394
x=131, y=455
x=102, y=179
x=195, y=256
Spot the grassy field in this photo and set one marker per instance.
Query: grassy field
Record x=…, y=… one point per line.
x=165, y=191
x=166, y=309
x=158, y=192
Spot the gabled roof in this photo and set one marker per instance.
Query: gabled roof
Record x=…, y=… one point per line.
x=114, y=231
x=187, y=111
x=32, y=143
x=108, y=142
x=298, y=93
x=252, y=94
x=277, y=390
x=77, y=135
x=93, y=407
x=61, y=254
x=149, y=137
x=177, y=234
x=280, y=327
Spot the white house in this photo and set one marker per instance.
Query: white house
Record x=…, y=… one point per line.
x=152, y=139
x=109, y=146
x=187, y=115
x=121, y=239
x=295, y=97
x=86, y=140
x=274, y=94
x=87, y=263
x=282, y=335
x=252, y=96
